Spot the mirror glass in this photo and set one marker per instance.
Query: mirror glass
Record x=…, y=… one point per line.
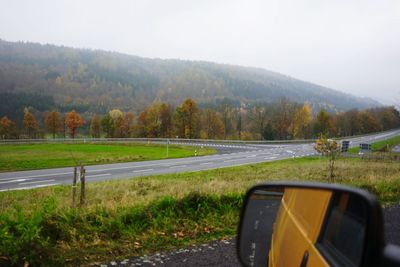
x=298, y=226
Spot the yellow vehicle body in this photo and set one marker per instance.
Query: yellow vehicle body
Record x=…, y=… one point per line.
x=297, y=226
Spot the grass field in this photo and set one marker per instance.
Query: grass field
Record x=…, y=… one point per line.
x=142, y=215
x=41, y=156
x=378, y=146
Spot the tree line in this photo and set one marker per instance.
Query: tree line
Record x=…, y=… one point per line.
x=280, y=120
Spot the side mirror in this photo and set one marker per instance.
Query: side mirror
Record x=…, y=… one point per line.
x=307, y=224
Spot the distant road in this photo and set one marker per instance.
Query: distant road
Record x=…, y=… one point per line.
x=232, y=155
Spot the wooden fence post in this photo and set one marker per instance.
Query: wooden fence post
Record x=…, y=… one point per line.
x=82, y=202
x=74, y=186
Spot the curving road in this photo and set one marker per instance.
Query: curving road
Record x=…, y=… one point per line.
x=233, y=155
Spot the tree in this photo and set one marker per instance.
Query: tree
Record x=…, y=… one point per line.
x=226, y=117
x=116, y=116
x=323, y=124
x=369, y=123
x=329, y=148
x=73, y=121
x=301, y=122
x=29, y=122
x=239, y=124
x=5, y=127
x=390, y=118
x=124, y=125
x=95, y=126
x=284, y=114
x=212, y=125
x=107, y=125
x=349, y=123
x=187, y=119
x=156, y=121
x=269, y=132
x=258, y=118
x=53, y=122
x=166, y=127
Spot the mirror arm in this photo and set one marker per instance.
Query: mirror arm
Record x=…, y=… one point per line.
x=391, y=256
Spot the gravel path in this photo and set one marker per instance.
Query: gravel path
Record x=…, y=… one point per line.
x=392, y=224
x=223, y=253
x=218, y=253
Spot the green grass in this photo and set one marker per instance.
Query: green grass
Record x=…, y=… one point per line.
x=156, y=213
x=40, y=156
x=381, y=145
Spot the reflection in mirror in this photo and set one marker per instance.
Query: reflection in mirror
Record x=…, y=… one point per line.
x=299, y=226
x=257, y=226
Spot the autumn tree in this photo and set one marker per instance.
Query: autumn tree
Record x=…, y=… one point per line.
x=53, y=122
x=149, y=121
x=301, y=122
x=187, y=119
x=323, y=123
x=348, y=123
x=95, y=126
x=6, y=128
x=258, y=119
x=124, y=125
x=329, y=148
x=111, y=123
x=226, y=111
x=166, y=127
x=390, y=117
x=284, y=111
x=155, y=121
x=369, y=123
x=73, y=121
x=29, y=122
x=239, y=124
x=107, y=126
x=213, y=126
x=142, y=124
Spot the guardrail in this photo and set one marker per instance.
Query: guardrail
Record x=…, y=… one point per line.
x=149, y=140
x=174, y=140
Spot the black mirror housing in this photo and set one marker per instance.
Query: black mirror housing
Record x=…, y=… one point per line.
x=310, y=223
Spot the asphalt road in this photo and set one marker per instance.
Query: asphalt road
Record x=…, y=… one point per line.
x=230, y=155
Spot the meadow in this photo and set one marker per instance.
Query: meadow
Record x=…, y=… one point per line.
x=156, y=213
x=42, y=156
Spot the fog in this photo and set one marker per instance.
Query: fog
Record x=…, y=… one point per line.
x=351, y=46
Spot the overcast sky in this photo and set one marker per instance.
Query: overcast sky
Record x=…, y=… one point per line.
x=352, y=46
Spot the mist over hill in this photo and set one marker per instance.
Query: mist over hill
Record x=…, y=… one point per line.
x=48, y=76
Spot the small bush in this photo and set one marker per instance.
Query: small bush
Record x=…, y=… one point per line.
x=22, y=239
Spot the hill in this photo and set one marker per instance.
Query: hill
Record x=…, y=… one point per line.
x=47, y=76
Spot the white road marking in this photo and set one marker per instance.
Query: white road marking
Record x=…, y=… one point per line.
x=35, y=176
x=205, y=163
x=14, y=181
x=270, y=158
x=35, y=182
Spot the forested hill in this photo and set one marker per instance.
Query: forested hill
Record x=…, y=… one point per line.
x=48, y=76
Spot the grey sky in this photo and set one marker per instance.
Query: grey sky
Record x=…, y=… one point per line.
x=352, y=46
